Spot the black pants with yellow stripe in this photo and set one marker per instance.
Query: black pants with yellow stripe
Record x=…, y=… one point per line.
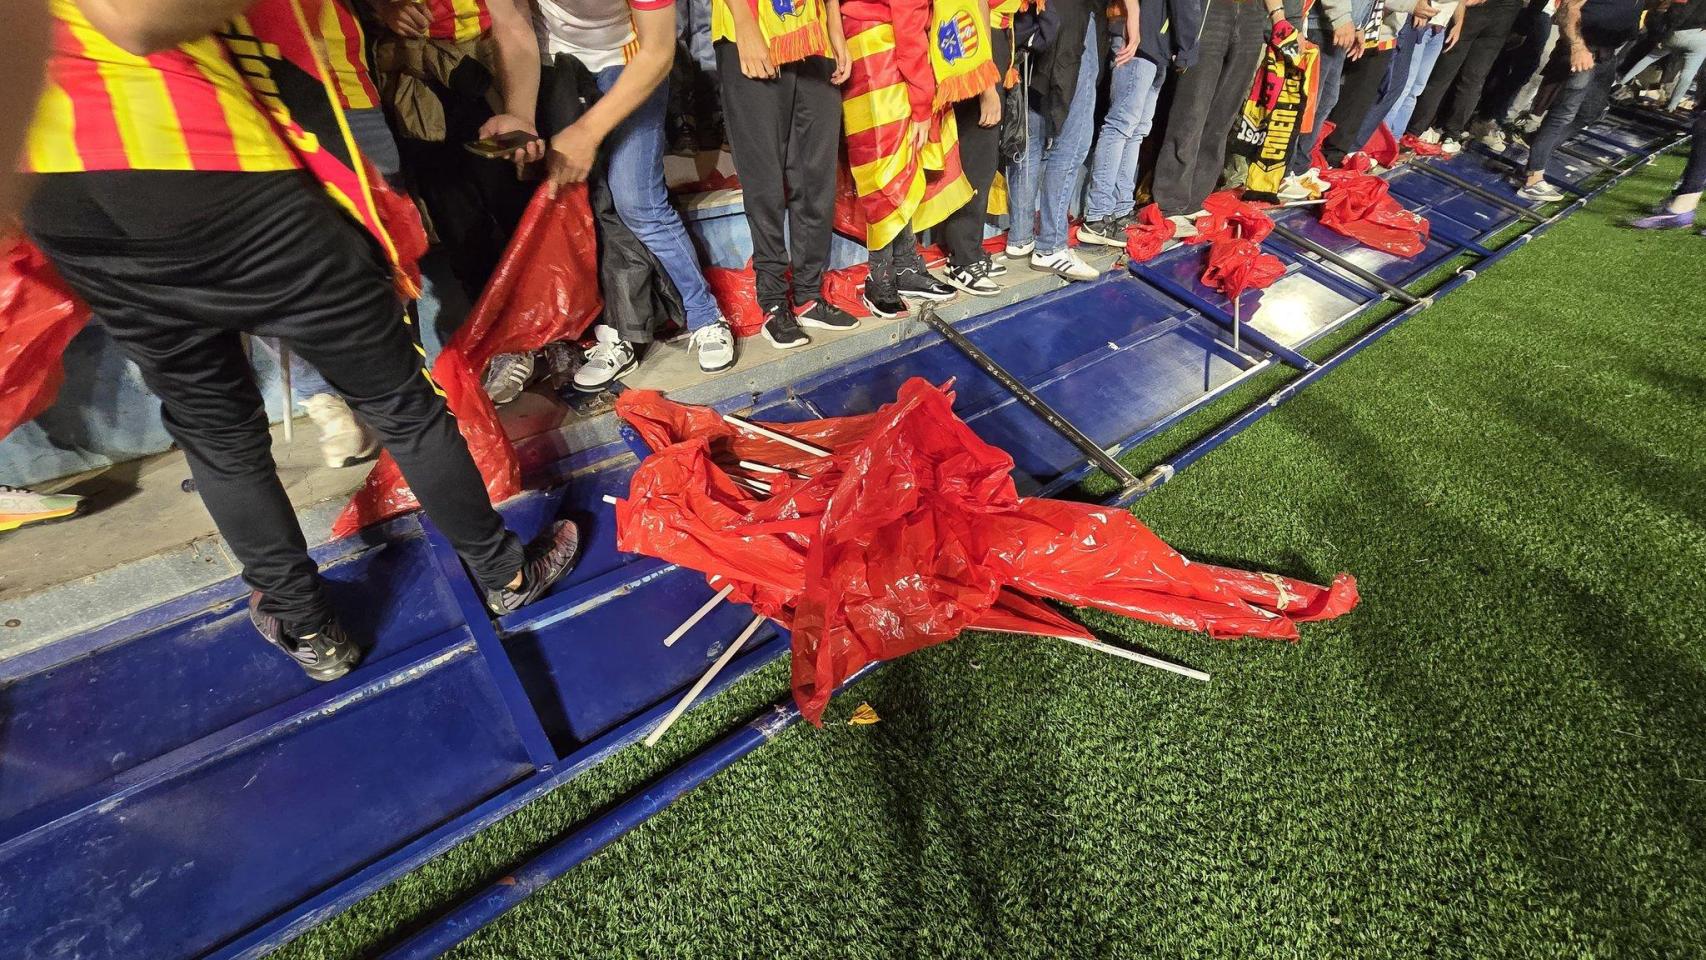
x=177, y=265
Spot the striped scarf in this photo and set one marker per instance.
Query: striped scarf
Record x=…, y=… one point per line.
x=961, y=54
x=794, y=29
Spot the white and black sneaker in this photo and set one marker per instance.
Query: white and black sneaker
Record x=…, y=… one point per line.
x=886, y=306
x=551, y=555
x=1064, y=263
x=325, y=655
x=781, y=329
x=993, y=267
x=1104, y=231
x=973, y=279
x=822, y=315
x=715, y=344
x=610, y=359
x=915, y=284
x=1541, y=192
x=1019, y=251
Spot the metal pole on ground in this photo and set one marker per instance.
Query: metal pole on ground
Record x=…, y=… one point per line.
x=289, y=399
x=1369, y=277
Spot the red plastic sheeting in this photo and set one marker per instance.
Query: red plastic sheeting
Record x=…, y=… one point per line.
x=1234, y=230
x=737, y=294
x=38, y=317
x=910, y=532
x=1382, y=147
x=1361, y=207
x=1145, y=238
x=545, y=289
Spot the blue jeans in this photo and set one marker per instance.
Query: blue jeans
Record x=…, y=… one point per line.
x=305, y=381
x=1131, y=112
x=1410, y=74
x=634, y=171
x=1056, y=162
x=693, y=27
x=1326, y=98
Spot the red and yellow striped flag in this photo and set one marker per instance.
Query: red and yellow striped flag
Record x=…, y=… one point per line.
x=459, y=20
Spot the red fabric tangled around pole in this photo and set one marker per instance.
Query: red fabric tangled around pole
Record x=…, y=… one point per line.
x=909, y=532
x=545, y=289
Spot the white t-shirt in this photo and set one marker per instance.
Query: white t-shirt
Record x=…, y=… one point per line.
x=1440, y=19
x=595, y=32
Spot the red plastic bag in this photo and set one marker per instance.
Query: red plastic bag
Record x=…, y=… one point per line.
x=38, y=317
x=1145, y=238
x=1234, y=229
x=1360, y=207
x=1382, y=147
x=545, y=289
x=910, y=531
x=736, y=292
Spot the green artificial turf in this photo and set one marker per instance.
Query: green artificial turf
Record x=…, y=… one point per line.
x=1501, y=753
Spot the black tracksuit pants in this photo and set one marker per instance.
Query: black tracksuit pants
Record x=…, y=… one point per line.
x=1462, y=71
x=178, y=265
x=980, y=156
x=1359, y=91
x=785, y=134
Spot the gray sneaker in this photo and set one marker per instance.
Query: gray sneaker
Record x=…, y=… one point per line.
x=609, y=359
x=716, y=346
x=1541, y=192
x=507, y=376
x=1104, y=231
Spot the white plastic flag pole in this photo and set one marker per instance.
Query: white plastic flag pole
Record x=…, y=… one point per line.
x=749, y=427
x=703, y=682
x=1237, y=304
x=698, y=615
x=1135, y=657
x=289, y=399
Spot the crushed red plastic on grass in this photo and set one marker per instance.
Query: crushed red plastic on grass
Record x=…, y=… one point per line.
x=39, y=315
x=539, y=293
x=1361, y=207
x=909, y=532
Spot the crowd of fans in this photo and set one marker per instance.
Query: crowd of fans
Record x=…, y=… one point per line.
x=1064, y=117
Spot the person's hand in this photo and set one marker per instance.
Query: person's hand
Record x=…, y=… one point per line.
x=843, y=62
x=405, y=18
x=1581, y=58
x=1451, y=37
x=572, y=154
x=1425, y=10
x=504, y=123
x=754, y=53
x=920, y=135
x=1345, y=37
x=1128, y=48
x=989, y=107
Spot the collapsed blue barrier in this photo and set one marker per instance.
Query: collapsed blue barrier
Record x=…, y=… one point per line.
x=169, y=790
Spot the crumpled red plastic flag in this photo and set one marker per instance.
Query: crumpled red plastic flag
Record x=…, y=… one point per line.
x=1382, y=147
x=910, y=532
x=545, y=289
x=1145, y=238
x=849, y=217
x=39, y=315
x=736, y=292
x=1234, y=229
x=1360, y=207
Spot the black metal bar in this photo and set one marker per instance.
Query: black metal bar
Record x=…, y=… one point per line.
x=1367, y=276
x=1026, y=396
x=1484, y=194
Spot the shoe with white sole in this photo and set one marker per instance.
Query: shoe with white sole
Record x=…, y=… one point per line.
x=915, y=284
x=715, y=344
x=973, y=279
x=823, y=315
x=1451, y=146
x=1293, y=190
x=1495, y=140
x=782, y=330
x=1020, y=251
x=20, y=507
x=994, y=267
x=1541, y=192
x=507, y=375
x=886, y=307
x=1064, y=263
x=610, y=359
x=1103, y=231
x=1183, y=227
x=344, y=440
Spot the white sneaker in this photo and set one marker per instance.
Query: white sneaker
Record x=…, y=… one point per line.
x=507, y=376
x=1021, y=251
x=1451, y=146
x=19, y=507
x=608, y=360
x=1541, y=192
x=1183, y=227
x=344, y=440
x=1495, y=141
x=716, y=346
x=1293, y=190
x=1312, y=179
x=1065, y=263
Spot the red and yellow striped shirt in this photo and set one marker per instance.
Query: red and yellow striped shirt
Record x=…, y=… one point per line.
x=458, y=19
x=181, y=109
x=346, y=52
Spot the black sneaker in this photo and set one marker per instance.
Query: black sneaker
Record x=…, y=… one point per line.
x=327, y=655
x=973, y=279
x=551, y=555
x=781, y=329
x=993, y=267
x=887, y=307
x=917, y=284
x=1106, y=232
x=826, y=316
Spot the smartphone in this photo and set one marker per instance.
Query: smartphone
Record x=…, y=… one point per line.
x=500, y=146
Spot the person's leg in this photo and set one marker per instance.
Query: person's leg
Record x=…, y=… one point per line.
x=1332, y=66
x=1022, y=186
x=1392, y=85
x=1559, y=124
x=1440, y=80
x=1514, y=68
x=1237, y=73
x=1066, y=154
x=1525, y=97
x=634, y=172
x=1358, y=93
x=1692, y=45
x=1693, y=181
x=754, y=113
x=814, y=138
x=1127, y=88
x=962, y=231
x=1182, y=135
x=1484, y=49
